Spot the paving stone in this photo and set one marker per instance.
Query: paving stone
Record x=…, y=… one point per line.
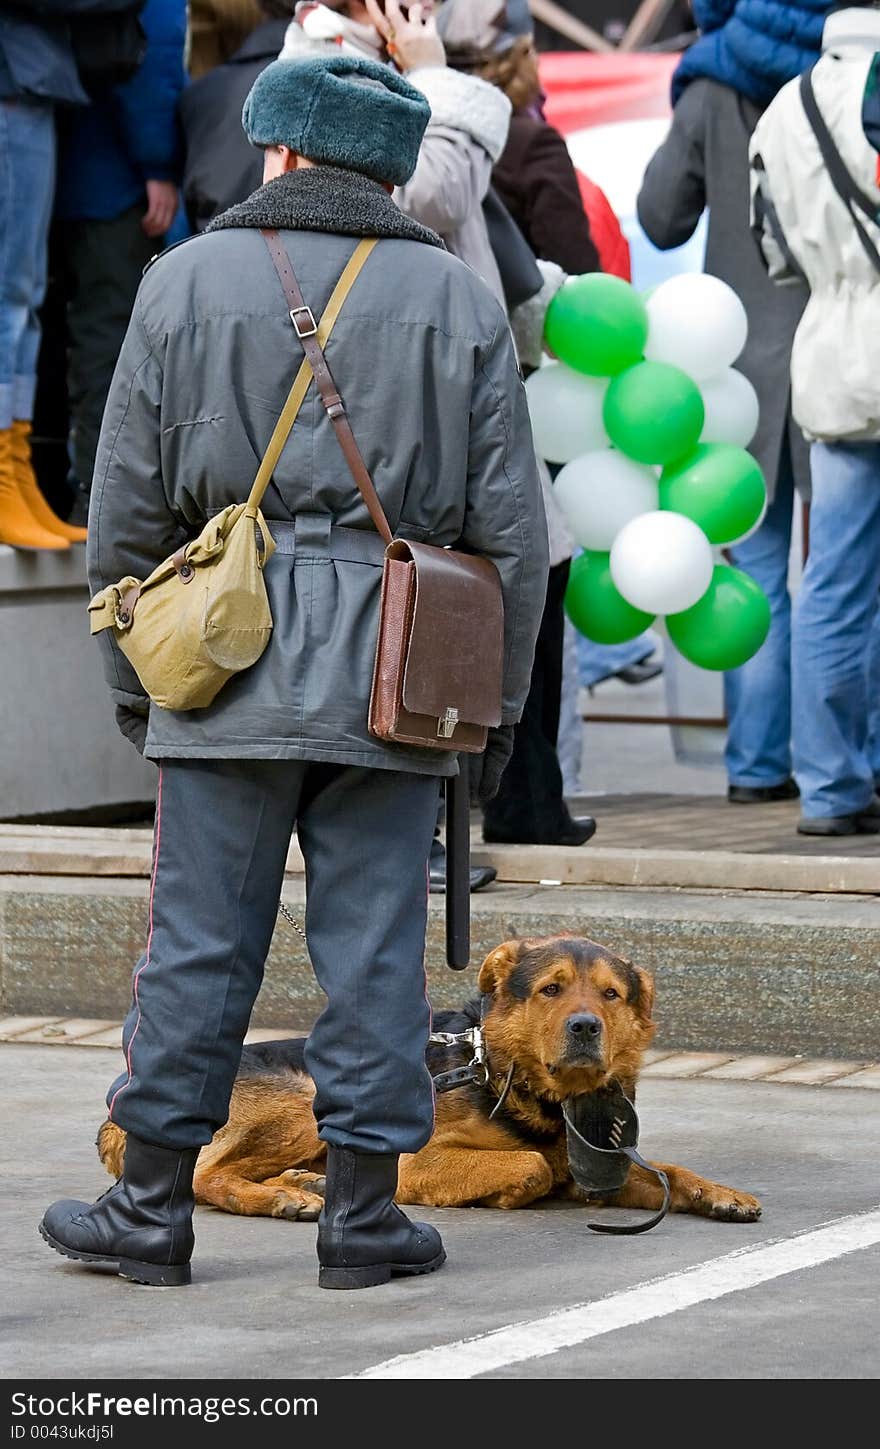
x=655, y=1056
x=748, y=1068
x=270, y=1033
x=811, y=1072
x=67, y=1030
x=686, y=1064
x=13, y=1026
x=867, y=1077
x=111, y=1036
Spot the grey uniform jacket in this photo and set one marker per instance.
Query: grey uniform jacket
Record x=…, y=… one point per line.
x=705, y=162
x=423, y=356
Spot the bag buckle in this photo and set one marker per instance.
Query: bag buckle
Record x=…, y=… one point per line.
x=310, y=327
x=447, y=722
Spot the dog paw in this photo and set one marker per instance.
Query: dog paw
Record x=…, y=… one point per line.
x=301, y=1181
x=725, y=1204
x=301, y=1207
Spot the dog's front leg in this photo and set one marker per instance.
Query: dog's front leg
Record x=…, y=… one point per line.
x=441, y=1176
x=689, y=1194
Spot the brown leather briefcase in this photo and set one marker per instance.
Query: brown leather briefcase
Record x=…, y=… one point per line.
x=437, y=681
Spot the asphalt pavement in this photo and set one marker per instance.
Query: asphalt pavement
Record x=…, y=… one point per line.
x=528, y=1294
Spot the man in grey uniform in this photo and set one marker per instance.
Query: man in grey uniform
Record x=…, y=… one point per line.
x=423, y=355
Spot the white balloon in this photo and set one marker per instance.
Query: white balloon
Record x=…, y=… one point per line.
x=566, y=412
x=732, y=409
x=600, y=492
x=662, y=562
x=697, y=323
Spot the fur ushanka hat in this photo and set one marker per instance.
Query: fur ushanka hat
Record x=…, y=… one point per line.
x=340, y=110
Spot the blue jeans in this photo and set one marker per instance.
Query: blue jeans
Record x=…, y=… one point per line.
x=600, y=661
x=758, y=696
x=27, y=184
x=835, y=646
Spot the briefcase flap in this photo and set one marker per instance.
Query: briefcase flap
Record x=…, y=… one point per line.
x=456, y=645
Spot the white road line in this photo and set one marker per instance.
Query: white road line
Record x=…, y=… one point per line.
x=468, y=1357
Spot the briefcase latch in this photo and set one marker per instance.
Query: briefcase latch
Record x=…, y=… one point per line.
x=447, y=722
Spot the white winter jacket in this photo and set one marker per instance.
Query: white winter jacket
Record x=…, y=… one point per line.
x=835, y=364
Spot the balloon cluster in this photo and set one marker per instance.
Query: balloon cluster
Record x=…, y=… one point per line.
x=652, y=422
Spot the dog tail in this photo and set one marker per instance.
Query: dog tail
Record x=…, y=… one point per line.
x=111, y=1147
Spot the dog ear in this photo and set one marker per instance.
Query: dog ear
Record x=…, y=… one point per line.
x=497, y=966
x=646, y=993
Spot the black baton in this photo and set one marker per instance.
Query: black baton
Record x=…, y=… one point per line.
x=458, y=868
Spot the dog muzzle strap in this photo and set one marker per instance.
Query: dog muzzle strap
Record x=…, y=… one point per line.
x=602, y=1133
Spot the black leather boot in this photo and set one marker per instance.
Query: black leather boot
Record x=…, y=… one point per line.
x=363, y=1237
x=142, y=1225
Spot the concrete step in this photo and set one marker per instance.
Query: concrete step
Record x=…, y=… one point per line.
x=753, y=972
x=82, y=851
x=671, y=1066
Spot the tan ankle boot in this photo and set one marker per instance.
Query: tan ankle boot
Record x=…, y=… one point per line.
x=18, y=526
x=30, y=491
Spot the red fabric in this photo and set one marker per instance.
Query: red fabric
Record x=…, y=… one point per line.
x=611, y=244
x=583, y=90
x=592, y=90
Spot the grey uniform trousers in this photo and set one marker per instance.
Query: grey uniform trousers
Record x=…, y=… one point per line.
x=221, y=837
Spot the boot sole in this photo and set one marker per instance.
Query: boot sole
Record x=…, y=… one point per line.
x=173, y=1275
x=376, y=1273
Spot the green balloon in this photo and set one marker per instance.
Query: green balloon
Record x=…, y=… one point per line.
x=596, y=608
x=597, y=324
x=720, y=487
x=727, y=626
x=654, y=413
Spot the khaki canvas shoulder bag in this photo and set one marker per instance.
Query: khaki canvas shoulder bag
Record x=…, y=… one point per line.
x=437, y=679
x=203, y=614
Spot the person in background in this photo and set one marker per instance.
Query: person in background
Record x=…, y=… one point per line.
x=469, y=118
x=38, y=71
x=466, y=134
x=809, y=231
x=220, y=168
x=719, y=90
x=217, y=30
x=119, y=161
x=536, y=181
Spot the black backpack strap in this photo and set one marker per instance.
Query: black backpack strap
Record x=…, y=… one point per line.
x=766, y=218
x=853, y=198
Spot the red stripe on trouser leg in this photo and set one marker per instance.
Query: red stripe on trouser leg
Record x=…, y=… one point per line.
x=143, y=968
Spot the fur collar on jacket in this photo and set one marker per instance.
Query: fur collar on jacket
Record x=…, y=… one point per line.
x=324, y=198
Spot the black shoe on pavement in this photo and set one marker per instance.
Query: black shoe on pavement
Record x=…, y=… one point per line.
x=480, y=875
x=363, y=1237
x=639, y=673
x=142, y=1226
x=576, y=831
x=866, y=822
x=762, y=794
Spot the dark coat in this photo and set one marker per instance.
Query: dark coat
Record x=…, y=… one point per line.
x=537, y=183
x=704, y=161
x=36, y=54
x=222, y=167
x=423, y=354
x=129, y=135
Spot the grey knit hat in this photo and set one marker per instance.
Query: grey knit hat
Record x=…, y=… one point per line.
x=340, y=110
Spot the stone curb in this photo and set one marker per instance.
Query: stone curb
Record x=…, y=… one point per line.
x=714, y=1066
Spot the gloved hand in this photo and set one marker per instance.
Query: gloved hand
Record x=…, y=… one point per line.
x=133, y=724
x=486, y=769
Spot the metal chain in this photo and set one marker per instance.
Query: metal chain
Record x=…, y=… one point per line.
x=291, y=920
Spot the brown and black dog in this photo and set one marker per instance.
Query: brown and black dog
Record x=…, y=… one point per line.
x=567, y=1013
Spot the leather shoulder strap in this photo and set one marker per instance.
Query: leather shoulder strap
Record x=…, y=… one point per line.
x=296, y=396
x=313, y=337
